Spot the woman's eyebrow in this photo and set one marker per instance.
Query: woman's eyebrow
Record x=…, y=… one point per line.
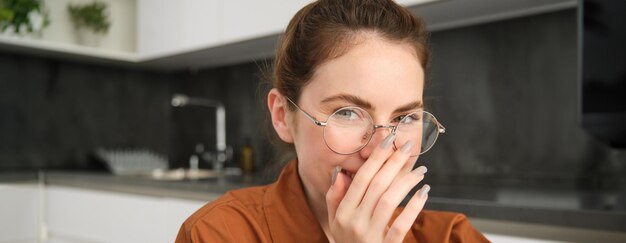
x=351, y=99
x=410, y=106
x=367, y=105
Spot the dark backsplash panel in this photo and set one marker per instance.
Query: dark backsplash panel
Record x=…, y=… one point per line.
x=240, y=88
x=506, y=92
x=53, y=114
x=508, y=95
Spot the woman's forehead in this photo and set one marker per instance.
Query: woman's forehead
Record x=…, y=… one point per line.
x=377, y=71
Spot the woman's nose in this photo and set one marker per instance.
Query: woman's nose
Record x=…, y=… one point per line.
x=379, y=135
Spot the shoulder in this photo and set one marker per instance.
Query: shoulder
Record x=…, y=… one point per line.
x=236, y=203
x=441, y=217
x=439, y=226
x=237, y=216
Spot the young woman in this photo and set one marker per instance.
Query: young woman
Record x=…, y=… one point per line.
x=348, y=81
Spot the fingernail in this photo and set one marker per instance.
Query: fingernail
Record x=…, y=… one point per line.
x=388, y=140
x=420, y=170
x=334, y=177
x=407, y=147
x=424, y=191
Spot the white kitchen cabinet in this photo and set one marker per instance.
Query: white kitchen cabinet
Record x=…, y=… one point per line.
x=249, y=19
x=78, y=214
x=184, y=34
x=166, y=27
x=20, y=212
x=82, y=215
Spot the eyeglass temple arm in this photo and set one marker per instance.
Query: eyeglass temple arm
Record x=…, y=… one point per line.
x=319, y=123
x=440, y=127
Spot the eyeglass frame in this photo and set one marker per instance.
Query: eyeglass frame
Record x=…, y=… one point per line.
x=440, y=127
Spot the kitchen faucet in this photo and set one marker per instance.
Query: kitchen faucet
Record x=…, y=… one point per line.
x=223, y=152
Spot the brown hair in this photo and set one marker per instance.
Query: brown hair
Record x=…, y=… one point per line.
x=326, y=29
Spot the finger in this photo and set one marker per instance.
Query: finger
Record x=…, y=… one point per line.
x=362, y=179
x=390, y=200
x=406, y=219
x=410, y=163
x=407, y=168
x=336, y=193
x=384, y=178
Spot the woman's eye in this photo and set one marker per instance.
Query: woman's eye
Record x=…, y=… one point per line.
x=397, y=119
x=407, y=119
x=347, y=114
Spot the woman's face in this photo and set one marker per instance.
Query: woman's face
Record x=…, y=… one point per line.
x=376, y=75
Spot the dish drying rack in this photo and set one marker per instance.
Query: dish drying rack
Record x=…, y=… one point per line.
x=132, y=161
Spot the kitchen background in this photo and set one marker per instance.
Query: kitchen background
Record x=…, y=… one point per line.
x=506, y=90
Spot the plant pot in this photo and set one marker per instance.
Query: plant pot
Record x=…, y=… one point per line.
x=10, y=31
x=87, y=37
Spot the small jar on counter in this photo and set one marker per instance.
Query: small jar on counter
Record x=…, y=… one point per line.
x=247, y=158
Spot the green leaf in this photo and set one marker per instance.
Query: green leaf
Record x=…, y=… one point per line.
x=6, y=14
x=14, y=13
x=92, y=15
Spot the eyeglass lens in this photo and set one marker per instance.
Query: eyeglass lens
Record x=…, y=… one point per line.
x=349, y=129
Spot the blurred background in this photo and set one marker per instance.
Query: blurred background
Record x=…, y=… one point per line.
x=532, y=95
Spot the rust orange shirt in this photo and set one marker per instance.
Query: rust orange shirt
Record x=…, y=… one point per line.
x=279, y=212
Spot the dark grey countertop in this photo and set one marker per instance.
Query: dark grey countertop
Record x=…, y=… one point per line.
x=204, y=190
x=552, y=206
x=561, y=206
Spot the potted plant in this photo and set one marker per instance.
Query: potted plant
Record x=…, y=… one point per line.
x=91, y=21
x=23, y=16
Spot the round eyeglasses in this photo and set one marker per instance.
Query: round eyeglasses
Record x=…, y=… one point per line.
x=350, y=129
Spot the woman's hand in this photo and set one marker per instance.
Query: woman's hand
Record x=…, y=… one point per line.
x=360, y=208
